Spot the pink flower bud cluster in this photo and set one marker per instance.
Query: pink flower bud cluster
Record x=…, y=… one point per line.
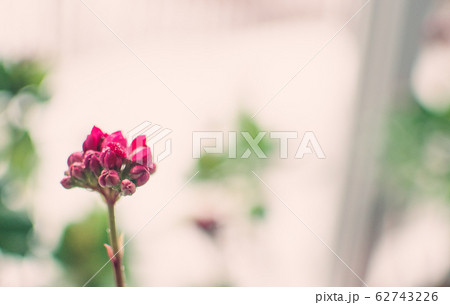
x=108, y=165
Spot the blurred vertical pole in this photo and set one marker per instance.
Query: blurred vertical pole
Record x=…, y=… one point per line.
x=392, y=37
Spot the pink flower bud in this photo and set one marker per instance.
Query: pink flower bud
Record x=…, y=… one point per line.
x=128, y=187
x=140, y=174
x=75, y=157
x=115, y=137
x=109, y=159
x=76, y=170
x=66, y=182
x=152, y=168
x=207, y=225
x=108, y=178
x=142, y=156
x=118, y=149
x=94, y=139
x=92, y=161
x=138, y=142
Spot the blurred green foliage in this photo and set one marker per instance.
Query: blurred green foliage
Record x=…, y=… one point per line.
x=15, y=227
x=417, y=155
x=220, y=167
x=23, y=77
x=82, y=252
x=20, y=154
x=20, y=90
x=258, y=211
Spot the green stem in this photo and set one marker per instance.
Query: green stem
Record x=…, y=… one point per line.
x=117, y=260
